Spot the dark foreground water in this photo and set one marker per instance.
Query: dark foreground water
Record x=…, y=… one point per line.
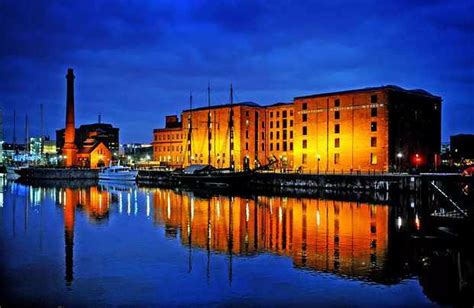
x=89, y=244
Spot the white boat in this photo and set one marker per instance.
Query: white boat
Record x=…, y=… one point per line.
x=118, y=173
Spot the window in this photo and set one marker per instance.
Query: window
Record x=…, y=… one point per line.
x=337, y=142
x=337, y=158
x=271, y=135
x=278, y=135
x=271, y=114
x=278, y=146
x=263, y=136
x=305, y=117
x=305, y=144
x=246, y=145
x=305, y=130
x=271, y=124
x=373, y=99
x=373, y=126
x=271, y=146
x=373, y=141
x=247, y=134
x=291, y=134
x=291, y=123
x=337, y=103
x=373, y=159
x=305, y=106
x=263, y=146
x=284, y=123
x=291, y=146
x=278, y=114
x=337, y=129
x=284, y=114
x=284, y=135
x=304, y=158
x=263, y=124
x=337, y=115
x=373, y=112
x=291, y=113
x=246, y=113
x=277, y=124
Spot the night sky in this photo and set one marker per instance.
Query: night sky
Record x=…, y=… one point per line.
x=136, y=62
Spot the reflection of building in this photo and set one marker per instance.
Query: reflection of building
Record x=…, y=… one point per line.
x=88, y=146
x=345, y=237
x=381, y=128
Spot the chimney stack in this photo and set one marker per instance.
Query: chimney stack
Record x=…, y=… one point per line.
x=70, y=148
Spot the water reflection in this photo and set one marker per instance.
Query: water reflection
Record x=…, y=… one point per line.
x=356, y=240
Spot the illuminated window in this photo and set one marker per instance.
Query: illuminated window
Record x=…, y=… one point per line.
x=337, y=115
x=305, y=144
x=284, y=114
x=337, y=103
x=305, y=117
x=291, y=146
x=373, y=158
x=373, y=112
x=305, y=106
x=336, y=158
x=305, y=130
x=271, y=124
x=373, y=141
x=337, y=142
x=373, y=126
x=304, y=158
x=337, y=128
x=373, y=99
x=278, y=146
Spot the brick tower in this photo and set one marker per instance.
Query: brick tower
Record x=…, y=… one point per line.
x=70, y=148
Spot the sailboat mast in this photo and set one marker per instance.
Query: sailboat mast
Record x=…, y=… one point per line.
x=190, y=128
x=231, y=129
x=14, y=129
x=209, y=135
x=26, y=134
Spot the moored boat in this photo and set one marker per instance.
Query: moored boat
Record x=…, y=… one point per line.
x=118, y=173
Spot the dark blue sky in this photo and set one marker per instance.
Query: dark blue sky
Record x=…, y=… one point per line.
x=136, y=62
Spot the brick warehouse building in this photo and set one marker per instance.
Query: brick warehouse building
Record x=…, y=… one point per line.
x=381, y=128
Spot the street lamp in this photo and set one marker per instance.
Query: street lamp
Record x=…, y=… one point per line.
x=417, y=160
x=399, y=157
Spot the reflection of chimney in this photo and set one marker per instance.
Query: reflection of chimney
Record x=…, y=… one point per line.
x=69, y=208
x=70, y=148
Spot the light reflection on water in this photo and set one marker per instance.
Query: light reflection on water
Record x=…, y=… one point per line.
x=96, y=244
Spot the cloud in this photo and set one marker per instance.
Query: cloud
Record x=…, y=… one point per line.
x=136, y=62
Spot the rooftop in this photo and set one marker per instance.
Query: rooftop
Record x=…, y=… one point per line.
x=368, y=89
x=248, y=104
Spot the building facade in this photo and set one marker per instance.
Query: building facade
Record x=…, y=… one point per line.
x=371, y=129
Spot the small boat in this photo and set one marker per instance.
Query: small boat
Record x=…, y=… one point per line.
x=208, y=176
x=118, y=173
